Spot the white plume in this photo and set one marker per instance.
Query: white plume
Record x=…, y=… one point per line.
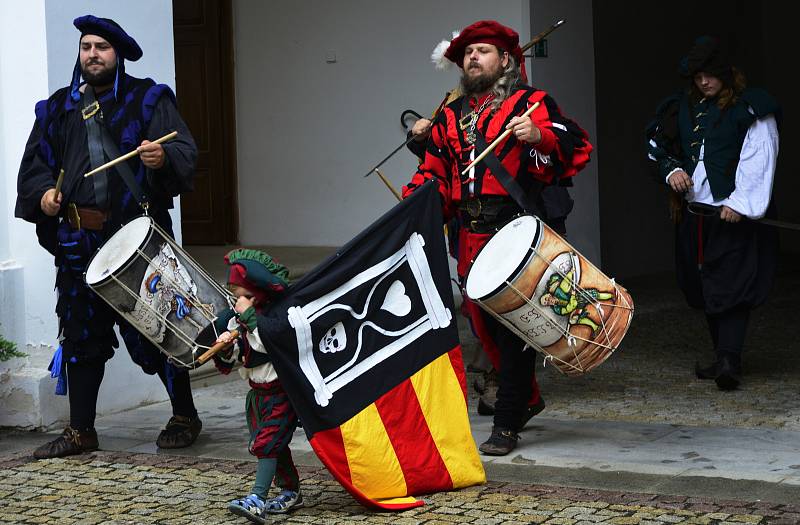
x=438, y=58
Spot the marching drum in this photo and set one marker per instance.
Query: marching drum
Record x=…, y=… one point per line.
x=159, y=289
x=542, y=289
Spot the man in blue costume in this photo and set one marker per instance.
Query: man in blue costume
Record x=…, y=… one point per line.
x=78, y=128
x=716, y=146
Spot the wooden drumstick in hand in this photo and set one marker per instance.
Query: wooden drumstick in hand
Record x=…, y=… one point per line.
x=497, y=141
x=218, y=347
x=59, y=182
x=168, y=136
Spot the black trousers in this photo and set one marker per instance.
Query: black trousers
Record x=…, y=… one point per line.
x=728, y=330
x=722, y=266
x=84, y=378
x=516, y=369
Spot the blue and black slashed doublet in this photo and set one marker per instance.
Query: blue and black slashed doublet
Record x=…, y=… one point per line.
x=140, y=110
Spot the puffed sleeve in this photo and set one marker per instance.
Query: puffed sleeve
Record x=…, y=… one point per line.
x=756, y=169
x=663, y=139
x=37, y=172
x=564, y=149
x=436, y=165
x=177, y=174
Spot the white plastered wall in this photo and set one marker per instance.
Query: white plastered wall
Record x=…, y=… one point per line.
x=320, y=90
x=320, y=87
x=24, y=318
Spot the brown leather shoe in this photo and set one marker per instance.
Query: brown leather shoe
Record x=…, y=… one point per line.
x=69, y=443
x=180, y=432
x=501, y=442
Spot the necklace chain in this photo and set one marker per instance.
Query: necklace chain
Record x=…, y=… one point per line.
x=474, y=120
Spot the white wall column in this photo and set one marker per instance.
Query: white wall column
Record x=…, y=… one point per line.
x=26, y=314
x=23, y=81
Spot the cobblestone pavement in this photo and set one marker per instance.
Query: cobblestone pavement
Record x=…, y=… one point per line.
x=120, y=488
x=648, y=380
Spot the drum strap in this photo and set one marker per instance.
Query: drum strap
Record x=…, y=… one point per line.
x=506, y=180
x=102, y=146
x=91, y=112
x=499, y=171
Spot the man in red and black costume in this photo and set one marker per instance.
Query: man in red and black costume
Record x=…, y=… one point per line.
x=543, y=151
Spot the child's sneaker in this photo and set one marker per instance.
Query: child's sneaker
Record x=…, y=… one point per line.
x=283, y=502
x=250, y=507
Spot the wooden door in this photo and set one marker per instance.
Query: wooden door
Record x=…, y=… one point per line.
x=204, y=84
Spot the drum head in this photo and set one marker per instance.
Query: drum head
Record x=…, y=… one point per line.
x=502, y=258
x=118, y=250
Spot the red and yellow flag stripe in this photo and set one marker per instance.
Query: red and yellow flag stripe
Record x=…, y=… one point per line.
x=413, y=440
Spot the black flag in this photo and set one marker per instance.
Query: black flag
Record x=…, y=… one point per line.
x=367, y=318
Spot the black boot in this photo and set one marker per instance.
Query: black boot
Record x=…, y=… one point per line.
x=488, y=379
x=531, y=411
x=709, y=372
x=729, y=374
x=488, y=394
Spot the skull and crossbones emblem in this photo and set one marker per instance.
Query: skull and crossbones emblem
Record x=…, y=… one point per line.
x=334, y=340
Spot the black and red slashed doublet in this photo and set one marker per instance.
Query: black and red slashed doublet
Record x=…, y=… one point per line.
x=562, y=152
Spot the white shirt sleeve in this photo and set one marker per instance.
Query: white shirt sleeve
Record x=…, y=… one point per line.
x=255, y=342
x=253, y=337
x=756, y=169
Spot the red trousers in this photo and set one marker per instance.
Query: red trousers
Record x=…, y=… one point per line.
x=271, y=421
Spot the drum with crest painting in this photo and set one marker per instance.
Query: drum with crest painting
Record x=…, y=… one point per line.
x=159, y=289
x=540, y=287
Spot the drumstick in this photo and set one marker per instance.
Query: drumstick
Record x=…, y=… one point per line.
x=59, y=182
x=168, y=136
x=218, y=347
x=496, y=141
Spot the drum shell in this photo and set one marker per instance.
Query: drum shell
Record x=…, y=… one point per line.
x=179, y=339
x=519, y=306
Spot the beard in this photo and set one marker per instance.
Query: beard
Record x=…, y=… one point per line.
x=480, y=83
x=104, y=77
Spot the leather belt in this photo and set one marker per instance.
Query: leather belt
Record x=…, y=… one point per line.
x=487, y=214
x=492, y=226
x=488, y=206
x=87, y=218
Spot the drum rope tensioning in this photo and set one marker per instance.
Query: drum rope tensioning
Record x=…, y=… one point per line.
x=542, y=289
x=147, y=278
